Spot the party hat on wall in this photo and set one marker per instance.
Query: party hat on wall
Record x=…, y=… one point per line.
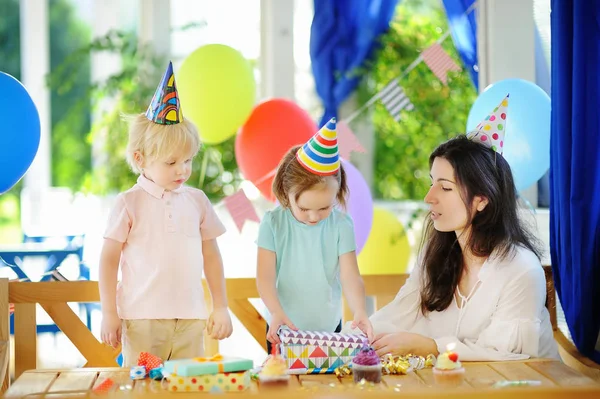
x=165, y=108
x=490, y=132
x=320, y=154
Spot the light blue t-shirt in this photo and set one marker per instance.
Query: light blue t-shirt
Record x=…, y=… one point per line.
x=308, y=268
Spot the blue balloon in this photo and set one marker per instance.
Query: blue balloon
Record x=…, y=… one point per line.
x=527, y=139
x=19, y=131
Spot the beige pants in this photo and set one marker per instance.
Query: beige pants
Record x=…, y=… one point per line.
x=165, y=338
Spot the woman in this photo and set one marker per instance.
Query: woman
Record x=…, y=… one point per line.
x=478, y=285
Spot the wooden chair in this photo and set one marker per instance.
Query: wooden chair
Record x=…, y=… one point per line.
x=4, y=335
x=568, y=352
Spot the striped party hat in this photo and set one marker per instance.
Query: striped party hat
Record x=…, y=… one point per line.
x=320, y=154
x=164, y=108
x=490, y=132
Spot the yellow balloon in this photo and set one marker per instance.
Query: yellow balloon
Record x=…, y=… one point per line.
x=217, y=91
x=387, y=249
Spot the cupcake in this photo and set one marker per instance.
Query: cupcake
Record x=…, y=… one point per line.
x=274, y=372
x=366, y=365
x=448, y=371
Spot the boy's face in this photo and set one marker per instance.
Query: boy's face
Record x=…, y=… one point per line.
x=170, y=173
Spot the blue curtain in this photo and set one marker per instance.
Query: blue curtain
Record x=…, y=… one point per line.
x=343, y=35
x=575, y=167
x=463, y=29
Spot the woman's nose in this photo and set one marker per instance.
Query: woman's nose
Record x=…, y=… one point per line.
x=430, y=196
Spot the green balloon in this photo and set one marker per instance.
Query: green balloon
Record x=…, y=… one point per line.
x=217, y=91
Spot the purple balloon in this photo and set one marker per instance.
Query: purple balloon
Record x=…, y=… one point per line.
x=359, y=204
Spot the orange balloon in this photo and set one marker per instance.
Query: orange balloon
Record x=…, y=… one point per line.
x=274, y=126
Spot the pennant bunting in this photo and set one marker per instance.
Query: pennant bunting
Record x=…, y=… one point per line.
x=395, y=99
x=347, y=141
x=439, y=62
x=241, y=209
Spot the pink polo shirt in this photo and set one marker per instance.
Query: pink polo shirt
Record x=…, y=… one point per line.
x=162, y=263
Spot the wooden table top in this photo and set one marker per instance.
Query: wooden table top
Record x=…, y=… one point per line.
x=556, y=381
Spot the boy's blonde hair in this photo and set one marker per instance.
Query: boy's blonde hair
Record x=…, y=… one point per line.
x=159, y=142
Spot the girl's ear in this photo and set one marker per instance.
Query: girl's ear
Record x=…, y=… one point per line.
x=480, y=203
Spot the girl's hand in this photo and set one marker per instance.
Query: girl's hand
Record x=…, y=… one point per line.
x=361, y=320
x=278, y=320
x=402, y=343
x=219, y=324
x=110, y=332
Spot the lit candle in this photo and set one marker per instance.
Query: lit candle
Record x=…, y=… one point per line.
x=450, y=347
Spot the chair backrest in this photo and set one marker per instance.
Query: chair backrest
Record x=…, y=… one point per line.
x=4, y=336
x=569, y=354
x=551, y=296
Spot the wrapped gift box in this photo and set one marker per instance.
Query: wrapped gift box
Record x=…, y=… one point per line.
x=202, y=365
x=210, y=383
x=311, y=352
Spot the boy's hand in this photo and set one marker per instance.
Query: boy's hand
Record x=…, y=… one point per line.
x=219, y=324
x=111, y=330
x=361, y=320
x=278, y=320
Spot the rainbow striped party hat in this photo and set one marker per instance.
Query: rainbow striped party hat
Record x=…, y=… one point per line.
x=490, y=132
x=164, y=108
x=320, y=154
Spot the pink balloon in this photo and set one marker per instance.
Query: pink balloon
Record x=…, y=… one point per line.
x=359, y=205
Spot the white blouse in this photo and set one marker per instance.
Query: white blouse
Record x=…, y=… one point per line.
x=504, y=318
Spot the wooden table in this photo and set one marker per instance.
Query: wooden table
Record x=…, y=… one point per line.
x=557, y=380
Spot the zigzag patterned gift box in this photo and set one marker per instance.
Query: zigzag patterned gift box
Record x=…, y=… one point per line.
x=313, y=352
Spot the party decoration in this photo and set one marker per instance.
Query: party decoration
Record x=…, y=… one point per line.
x=527, y=131
x=272, y=129
x=164, y=109
x=490, y=131
x=359, y=205
x=218, y=91
x=387, y=250
x=347, y=141
x=241, y=209
x=320, y=154
x=19, y=132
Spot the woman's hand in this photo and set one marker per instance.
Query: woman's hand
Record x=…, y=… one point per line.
x=403, y=343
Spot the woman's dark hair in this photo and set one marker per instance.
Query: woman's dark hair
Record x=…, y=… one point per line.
x=478, y=171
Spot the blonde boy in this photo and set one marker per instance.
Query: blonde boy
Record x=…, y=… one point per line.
x=162, y=235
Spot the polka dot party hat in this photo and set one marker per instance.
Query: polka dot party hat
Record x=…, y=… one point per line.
x=164, y=108
x=320, y=154
x=490, y=132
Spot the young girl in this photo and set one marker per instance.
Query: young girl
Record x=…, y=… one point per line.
x=306, y=247
x=479, y=283
x=162, y=235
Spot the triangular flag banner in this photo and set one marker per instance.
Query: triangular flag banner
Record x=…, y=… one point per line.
x=241, y=209
x=347, y=141
x=320, y=154
x=439, y=62
x=164, y=109
x=395, y=99
x=490, y=132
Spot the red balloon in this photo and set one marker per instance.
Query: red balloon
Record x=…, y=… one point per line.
x=274, y=126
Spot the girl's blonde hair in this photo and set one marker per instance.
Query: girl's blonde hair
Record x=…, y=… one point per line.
x=159, y=142
x=292, y=177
